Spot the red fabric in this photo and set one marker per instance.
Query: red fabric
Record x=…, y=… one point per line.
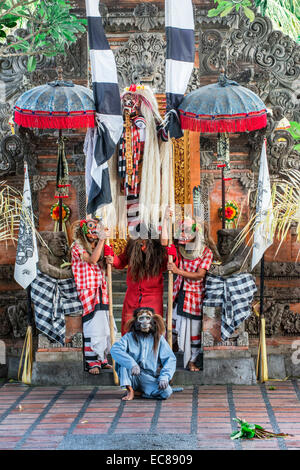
x=171, y=250
x=108, y=251
x=234, y=123
x=89, y=279
x=194, y=289
x=145, y=293
x=40, y=120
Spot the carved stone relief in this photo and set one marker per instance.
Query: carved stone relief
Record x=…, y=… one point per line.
x=280, y=320
x=142, y=59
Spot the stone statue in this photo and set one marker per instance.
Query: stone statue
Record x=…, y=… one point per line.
x=222, y=323
x=50, y=262
x=54, y=294
x=232, y=263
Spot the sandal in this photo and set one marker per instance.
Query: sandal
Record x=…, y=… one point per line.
x=192, y=367
x=106, y=366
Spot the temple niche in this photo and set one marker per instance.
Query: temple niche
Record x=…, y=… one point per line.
x=253, y=54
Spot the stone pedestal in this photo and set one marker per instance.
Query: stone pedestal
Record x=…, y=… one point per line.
x=225, y=362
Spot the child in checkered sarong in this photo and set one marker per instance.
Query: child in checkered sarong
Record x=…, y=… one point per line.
x=92, y=291
x=193, y=259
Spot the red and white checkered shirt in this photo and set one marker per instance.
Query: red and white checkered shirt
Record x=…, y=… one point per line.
x=194, y=289
x=89, y=279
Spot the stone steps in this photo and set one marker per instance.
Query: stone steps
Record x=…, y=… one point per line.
x=119, y=289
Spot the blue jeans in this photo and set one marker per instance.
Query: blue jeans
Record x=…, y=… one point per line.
x=145, y=383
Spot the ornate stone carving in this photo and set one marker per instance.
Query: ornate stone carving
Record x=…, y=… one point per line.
x=280, y=320
x=17, y=315
x=6, y=272
x=206, y=184
x=209, y=47
x=207, y=339
x=280, y=270
x=146, y=16
x=243, y=339
x=271, y=59
x=280, y=150
x=208, y=148
x=142, y=59
x=11, y=155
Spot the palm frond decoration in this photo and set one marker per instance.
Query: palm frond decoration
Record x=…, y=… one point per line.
x=286, y=211
x=10, y=213
x=10, y=210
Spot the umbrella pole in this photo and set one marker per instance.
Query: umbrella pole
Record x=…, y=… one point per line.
x=170, y=273
x=223, y=199
x=110, y=306
x=27, y=346
x=60, y=199
x=262, y=362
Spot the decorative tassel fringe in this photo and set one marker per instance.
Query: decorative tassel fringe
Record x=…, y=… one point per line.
x=54, y=122
x=238, y=124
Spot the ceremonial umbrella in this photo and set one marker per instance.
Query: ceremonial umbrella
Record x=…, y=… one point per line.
x=225, y=107
x=222, y=108
x=57, y=105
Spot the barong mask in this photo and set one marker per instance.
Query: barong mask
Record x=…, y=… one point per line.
x=132, y=99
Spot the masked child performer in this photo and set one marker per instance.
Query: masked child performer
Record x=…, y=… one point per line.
x=92, y=290
x=145, y=362
x=194, y=257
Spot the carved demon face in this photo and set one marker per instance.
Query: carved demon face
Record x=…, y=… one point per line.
x=58, y=244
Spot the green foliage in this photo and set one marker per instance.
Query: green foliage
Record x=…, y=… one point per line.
x=226, y=6
x=294, y=130
x=285, y=15
x=250, y=431
x=50, y=25
x=247, y=430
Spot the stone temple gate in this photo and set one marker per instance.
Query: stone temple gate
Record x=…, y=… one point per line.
x=252, y=53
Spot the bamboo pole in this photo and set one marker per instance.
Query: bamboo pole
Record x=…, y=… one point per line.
x=110, y=305
x=170, y=274
x=60, y=199
x=262, y=360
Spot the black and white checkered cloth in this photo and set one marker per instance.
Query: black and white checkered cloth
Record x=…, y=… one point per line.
x=235, y=295
x=53, y=299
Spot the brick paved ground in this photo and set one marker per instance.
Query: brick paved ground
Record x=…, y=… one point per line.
x=200, y=417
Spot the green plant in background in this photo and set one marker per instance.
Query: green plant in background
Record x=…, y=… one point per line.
x=285, y=15
x=227, y=6
x=49, y=24
x=295, y=132
x=250, y=431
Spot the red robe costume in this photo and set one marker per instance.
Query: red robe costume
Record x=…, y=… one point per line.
x=147, y=292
